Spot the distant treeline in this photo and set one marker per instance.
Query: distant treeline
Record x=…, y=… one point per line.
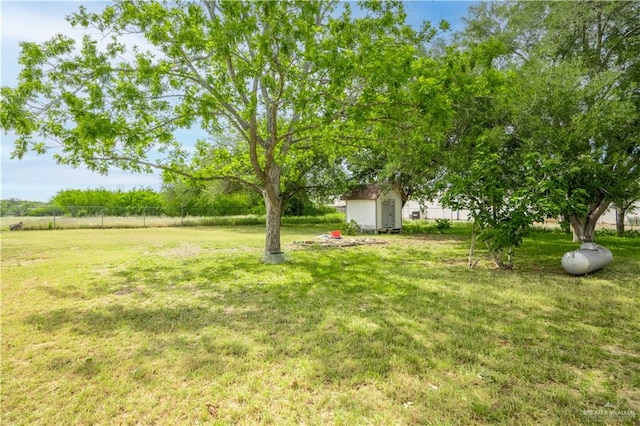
x=77, y=203
x=89, y=202
x=171, y=201
x=18, y=207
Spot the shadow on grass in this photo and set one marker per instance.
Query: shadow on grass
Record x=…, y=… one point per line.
x=360, y=315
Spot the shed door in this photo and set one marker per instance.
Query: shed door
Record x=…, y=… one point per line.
x=389, y=213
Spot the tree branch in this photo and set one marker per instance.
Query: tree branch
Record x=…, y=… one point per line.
x=197, y=78
x=178, y=171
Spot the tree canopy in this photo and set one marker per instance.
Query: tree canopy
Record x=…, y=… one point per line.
x=574, y=99
x=269, y=83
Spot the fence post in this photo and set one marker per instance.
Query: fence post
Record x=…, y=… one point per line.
x=144, y=217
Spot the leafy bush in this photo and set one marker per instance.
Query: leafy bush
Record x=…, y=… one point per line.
x=443, y=224
x=81, y=203
x=350, y=228
x=237, y=203
x=44, y=211
x=18, y=207
x=301, y=205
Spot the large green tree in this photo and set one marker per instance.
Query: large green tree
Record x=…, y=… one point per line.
x=575, y=101
x=280, y=77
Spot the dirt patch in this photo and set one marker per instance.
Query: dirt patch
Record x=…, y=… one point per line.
x=336, y=243
x=620, y=352
x=124, y=291
x=22, y=262
x=183, y=251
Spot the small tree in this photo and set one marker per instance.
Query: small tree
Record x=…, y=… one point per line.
x=493, y=183
x=488, y=168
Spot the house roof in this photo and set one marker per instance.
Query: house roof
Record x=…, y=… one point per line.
x=364, y=192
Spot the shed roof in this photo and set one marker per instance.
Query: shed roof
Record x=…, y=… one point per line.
x=364, y=192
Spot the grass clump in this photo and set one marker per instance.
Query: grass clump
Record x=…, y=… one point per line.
x=149, y=326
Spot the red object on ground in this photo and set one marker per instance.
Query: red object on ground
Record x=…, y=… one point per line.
x=335, y=234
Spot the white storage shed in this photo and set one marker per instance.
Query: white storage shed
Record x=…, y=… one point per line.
x=375, y=208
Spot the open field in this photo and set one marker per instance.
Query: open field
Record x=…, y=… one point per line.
x=148, y=326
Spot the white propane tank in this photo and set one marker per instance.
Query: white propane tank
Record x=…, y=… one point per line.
x=588, y=258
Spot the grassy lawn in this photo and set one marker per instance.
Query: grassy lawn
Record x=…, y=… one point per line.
x=148, y=326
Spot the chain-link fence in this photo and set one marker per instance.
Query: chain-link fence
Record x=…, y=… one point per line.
x=74, y=217
x=53, y=217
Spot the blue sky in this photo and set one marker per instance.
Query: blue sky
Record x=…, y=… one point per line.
x=38, y=178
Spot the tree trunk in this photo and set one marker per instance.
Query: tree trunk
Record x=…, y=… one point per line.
x=273, y=201
x=472, y=264
x=584, y=228
x=620, y=214
x=495, y=256
x=274, y=214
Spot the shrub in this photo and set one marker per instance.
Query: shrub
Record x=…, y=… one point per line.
x=443, y=224
x=44, y=211
x=633, y=233
x=350, y=228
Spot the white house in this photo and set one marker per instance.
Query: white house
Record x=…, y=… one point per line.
x=375, y=208
x=432, y=210
x=631, y=218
